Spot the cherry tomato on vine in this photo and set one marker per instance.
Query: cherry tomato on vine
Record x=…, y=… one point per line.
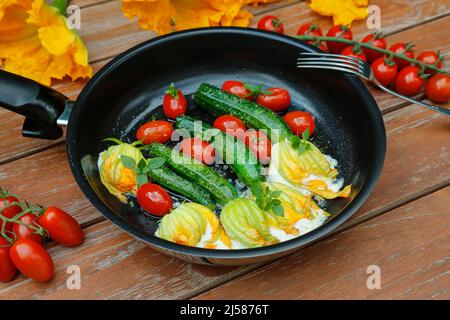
x=230, y=125
x=409, y=81
x=154, y=199
x=198, y=149
x=7, y=268
x=311, y=30
x=431, y=58
x=271, y=23
x=259, y=144
x=62, y=227
x=340, y=31
x=354, y=52
x=385, y=72
x=402, y=48
x=237, y=88
x=9, y=212
x=438, y=88
x=32, y=260
x=275, y=99
x=23, y=231
x=376, y=40
x=174, y=102
x=155, y=131
x=299, y=121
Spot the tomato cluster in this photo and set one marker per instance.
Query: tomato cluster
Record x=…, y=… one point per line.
x=405, y=77
x=24, y=229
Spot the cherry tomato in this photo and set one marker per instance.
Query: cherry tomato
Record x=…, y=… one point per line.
x=299, y=121
x=271, y=23
x=24, y=232
x=7, y=268
x=174, y=102
x=384, y=72
x=154, y=199
x=406, y=49
x=340, y=31
x=431, y=58
x=375, y=40
x=354, y=52
x=311, y=30
x=155, y=131
x=198, y=149
x=230, y=125
x=277, y=99
x=259, y=144
x=62, y=227
x=237, y=88
x=32, y=260
x=408, y=81
x=9, y=212
x=438, y=88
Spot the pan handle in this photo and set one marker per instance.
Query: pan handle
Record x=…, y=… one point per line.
x=41, y=106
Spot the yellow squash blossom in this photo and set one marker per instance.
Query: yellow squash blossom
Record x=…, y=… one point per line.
x=36, y=42
x=164, y=16
x=343, y=11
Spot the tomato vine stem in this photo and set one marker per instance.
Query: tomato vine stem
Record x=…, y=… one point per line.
x=369, y=46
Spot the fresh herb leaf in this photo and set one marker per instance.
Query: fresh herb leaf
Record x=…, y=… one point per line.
x=141, y=179
x=128, y=162
x=155, y=163
x=278, y=209
x=276, y=193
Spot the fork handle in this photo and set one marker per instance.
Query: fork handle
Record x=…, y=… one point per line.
x=441, y=110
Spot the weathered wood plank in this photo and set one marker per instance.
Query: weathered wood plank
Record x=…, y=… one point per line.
x=410, y=245
x=409, y=179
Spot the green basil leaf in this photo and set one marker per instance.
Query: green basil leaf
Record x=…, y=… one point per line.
x=128, y=162
x=278, y=210
x=155, y=163
x=141, y=179
x=276, y=193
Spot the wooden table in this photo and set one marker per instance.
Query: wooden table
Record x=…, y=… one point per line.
x=404, y=227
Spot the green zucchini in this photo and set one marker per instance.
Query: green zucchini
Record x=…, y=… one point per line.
x=233, y=151
x=219, y=187
x=255, y=116
x=172, y=181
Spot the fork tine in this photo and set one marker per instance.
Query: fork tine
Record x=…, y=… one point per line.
x=320, y=60
x=331, y=64
x=328, y=68
x=331, y=55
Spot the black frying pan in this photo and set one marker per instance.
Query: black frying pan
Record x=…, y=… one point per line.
x=128, y=91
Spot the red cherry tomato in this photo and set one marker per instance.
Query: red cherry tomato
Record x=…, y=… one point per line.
x=24, y=232
x=377, y=41
x=404, y=48
x=230, y=125
x=198, y=149
x=154, y=199
x=237, y=88
x=431, y=58
x=271, y=23
x=62, y=227
x=259, y=144
x=277, y=99
x=438, y=88
x=299, y=121
x=384, y=72
x=7, y=268
x=408, y=81
x=174, y=103
x=32, y=260
x=353, y=52
x=9, y=212
x=311, y=30
x=339, y=31
x=155, y=131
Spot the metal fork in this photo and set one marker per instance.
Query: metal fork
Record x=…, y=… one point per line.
x=312, y=60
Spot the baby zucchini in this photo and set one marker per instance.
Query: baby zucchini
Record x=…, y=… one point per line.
x=172, y=181
x=255, y=116
x=233, y=151
x=220, y=188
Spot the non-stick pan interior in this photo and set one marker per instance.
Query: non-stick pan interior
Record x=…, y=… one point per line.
x=130, y=89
